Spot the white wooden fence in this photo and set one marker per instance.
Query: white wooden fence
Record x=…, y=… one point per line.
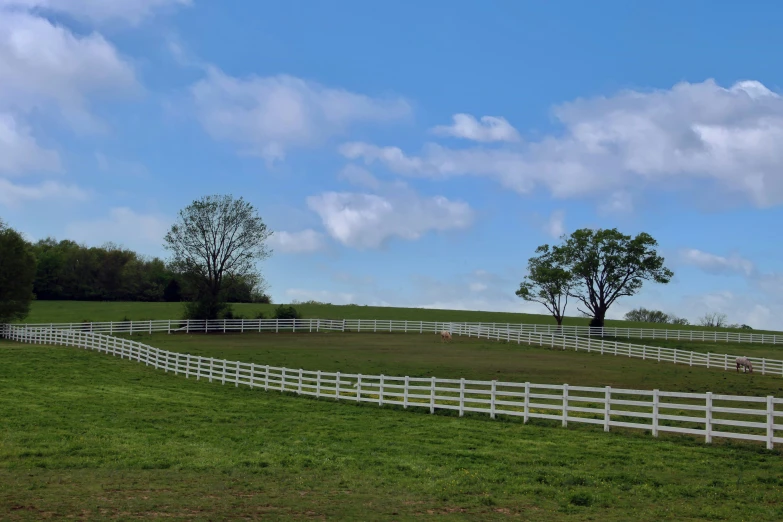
x=378, y=325
x=497, y=331
x=701, y=414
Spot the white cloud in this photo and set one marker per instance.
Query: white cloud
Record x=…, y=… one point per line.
x=19, y=152
x=490, y=128
x=141, y=232
x=362, y=220
x=630, y=142
x=15, y=195
x=269, y=115
x=555, y=226
x=717, y=264
x=302, y=242
x=41, y=63
x=132, y=11
x=359, y=177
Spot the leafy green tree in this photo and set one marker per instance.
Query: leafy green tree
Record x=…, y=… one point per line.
x=17, y=274
x=547, y=283
x=216, y=239
x=643, y=315
x=607, y=265
x=172, y=293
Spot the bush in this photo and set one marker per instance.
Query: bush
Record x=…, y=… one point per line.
x=259, y=315
x=287, y=312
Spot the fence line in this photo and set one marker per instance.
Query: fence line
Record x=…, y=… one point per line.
x=652, y=410
x=364, y=324
x=495, y=331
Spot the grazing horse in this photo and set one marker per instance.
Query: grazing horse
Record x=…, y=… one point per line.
x=445, y=336
x=745, y=363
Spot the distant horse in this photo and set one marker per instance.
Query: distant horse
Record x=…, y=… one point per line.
x=745, y=363
x=445, y=336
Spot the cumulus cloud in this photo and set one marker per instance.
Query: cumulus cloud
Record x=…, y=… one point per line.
x=323, y=296
x=42, y=63
x=717, y=264
x=629, y=142
x=365, y=221
x=19, y=151
x=144, y=232
x=490, y=128
x=302, y=242
x=15, y=195
x=131, y=11
x=269, y=115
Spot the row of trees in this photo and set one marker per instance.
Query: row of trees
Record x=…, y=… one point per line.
x=66, y=270
x=215, y=245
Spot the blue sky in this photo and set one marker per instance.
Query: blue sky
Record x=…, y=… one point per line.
x=409, y=153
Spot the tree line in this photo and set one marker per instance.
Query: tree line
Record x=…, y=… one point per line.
x=215, y=246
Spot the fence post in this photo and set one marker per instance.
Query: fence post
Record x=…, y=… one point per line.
x=380, y=392
x=318, y=383
x=461, y=396
x=770, y=421
x=236, y=380
x=763, y=366
x=607, y=406
x=358, y=387
x=337, y=387
x=405, y=394
x=527, y=402
x=708, y=359
x=223, y=381
x=211, y=368
x=266, y=378
x=656, y=400
x=187, y=364
x=492, y=399
x=565, y=405
x=432, y=397
x=299, y=390
x=708, y=419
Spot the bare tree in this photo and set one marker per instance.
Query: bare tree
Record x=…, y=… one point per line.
x=216, y=239
x=714, y=319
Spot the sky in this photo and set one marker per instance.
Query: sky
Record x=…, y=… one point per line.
x=410, y=153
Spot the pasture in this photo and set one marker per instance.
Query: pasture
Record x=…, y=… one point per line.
x=96, y=311
x=98, y=437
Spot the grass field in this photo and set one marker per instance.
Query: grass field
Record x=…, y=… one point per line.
x=78, y=311
x=423, y=355
x=95, y=437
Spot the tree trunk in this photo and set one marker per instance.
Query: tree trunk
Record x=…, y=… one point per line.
x=598, y=319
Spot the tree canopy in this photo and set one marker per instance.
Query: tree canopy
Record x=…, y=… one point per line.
x=547, y=283
x=606, y=265
x=17, y=273
x=217, y=241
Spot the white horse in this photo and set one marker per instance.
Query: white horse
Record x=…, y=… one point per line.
x=445, y=336
x=745, y=363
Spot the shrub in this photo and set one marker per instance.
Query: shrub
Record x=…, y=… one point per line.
x=287, y=312
x=259, y=315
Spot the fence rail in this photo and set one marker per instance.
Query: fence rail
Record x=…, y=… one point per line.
x=497, y=331
x=365, y=324
x=701, y=414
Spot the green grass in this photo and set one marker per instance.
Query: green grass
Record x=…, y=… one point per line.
x=424, y=355
x=90, y=436
x=77, y=311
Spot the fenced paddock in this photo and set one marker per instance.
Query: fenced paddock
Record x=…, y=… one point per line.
x=494, y=331
x=700, y=414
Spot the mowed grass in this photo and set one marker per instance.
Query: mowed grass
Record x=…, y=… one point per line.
x=424, y=355
x=90, y=436
x=78, y=311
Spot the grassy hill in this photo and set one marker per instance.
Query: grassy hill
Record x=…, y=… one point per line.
x=93, y=437
x=78, y=311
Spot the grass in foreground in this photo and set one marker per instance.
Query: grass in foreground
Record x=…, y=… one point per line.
x=96, y=437
x=78, y=311
x=424, y=355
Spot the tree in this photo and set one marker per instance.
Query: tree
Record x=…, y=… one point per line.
x=17, y=274
x=172, y=293
x=714, y=319
x=216, y=238
x=607, y=265
x=547, y=283
x=643, y=315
